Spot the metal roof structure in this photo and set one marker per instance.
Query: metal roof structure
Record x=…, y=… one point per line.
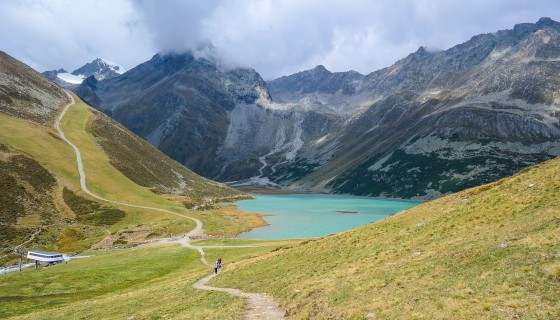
x=45, y=256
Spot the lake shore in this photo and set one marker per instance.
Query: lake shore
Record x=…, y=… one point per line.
x=263, y=190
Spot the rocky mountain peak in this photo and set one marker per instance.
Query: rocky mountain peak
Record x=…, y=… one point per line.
x=547, y=22
x=305, y=85
x=243, y=84
x=419, y=54
x=320, y=69
x=100, y=68
x=432, y=123
x=421, y=50
x=171, y=62
x=523, y=29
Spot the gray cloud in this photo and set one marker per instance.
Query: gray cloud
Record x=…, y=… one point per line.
x=276, y=37
x=177, y=25
x=285, y=36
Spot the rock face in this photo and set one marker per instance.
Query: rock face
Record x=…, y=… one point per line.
x=433, y=123
x=25, y=93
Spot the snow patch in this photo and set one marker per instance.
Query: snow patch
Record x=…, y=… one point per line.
x=322, y=139
x=70, y=78
x=114, y=66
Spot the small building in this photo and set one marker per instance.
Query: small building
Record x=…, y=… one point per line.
x=46, y=257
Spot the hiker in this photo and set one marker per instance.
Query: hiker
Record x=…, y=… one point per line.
x=216, y=267
x=220, y=262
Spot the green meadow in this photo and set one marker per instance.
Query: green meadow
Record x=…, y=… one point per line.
x=143, y=283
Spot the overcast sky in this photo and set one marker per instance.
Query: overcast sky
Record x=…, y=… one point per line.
x=276, y=37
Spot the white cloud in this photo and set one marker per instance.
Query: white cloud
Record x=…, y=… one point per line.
x=64, y=33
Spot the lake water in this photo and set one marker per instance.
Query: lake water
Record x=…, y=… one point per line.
x=315, y=215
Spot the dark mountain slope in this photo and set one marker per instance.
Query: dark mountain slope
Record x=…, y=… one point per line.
x=149, y=167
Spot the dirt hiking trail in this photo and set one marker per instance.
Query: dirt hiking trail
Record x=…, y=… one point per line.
x=259, y=306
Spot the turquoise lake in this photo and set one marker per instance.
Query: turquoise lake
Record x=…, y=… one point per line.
x=315, y=215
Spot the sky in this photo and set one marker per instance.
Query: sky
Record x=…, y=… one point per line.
x=275, y=37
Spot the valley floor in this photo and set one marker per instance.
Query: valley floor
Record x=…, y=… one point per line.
x=490, y=252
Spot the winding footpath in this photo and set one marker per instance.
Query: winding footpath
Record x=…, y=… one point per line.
x=259, y=306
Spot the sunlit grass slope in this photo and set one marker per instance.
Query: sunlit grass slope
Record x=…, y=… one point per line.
x=66, y=233
x=143, y=283
x=103, y=178
x=491, y=252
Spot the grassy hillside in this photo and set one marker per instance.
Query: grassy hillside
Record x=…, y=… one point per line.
x=491, y=252
x=35, y=164
x=33, y=212
x=41, y=178
x=135, y=183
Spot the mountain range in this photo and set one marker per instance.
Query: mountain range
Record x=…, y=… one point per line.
x=431, y=124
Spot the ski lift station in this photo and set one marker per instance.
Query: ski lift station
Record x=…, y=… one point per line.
x=47, y=258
